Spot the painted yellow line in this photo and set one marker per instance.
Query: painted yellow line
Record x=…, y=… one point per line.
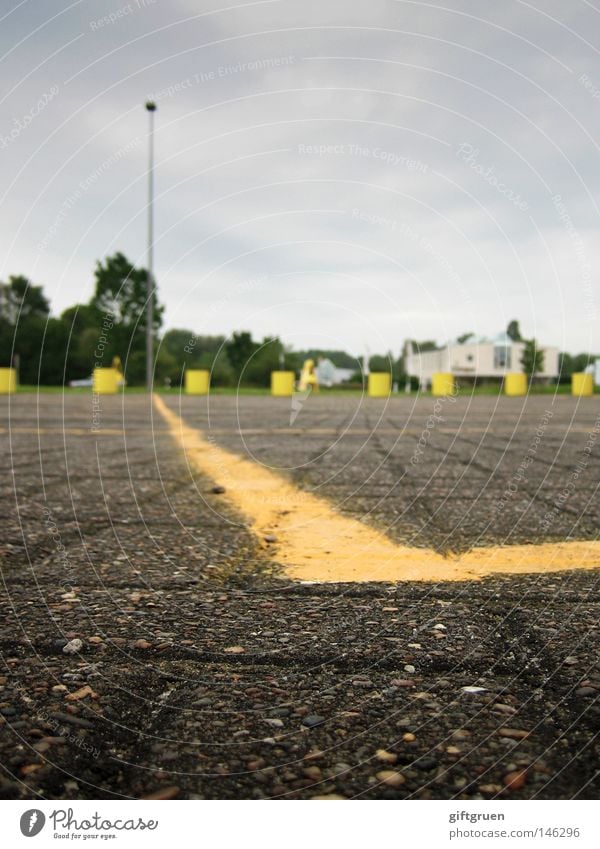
x=315, y=543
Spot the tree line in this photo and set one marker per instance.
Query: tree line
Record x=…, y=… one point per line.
x=51, y=350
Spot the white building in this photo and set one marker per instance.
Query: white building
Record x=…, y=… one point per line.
x=594, y=368
x=329, y=374
x=483, y=358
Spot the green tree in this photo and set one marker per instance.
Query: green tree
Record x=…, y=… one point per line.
x=20, y=299
x=341, y=359
x=188, y=351
x=221, y=372
x=185, y=344
x=568, y=364
x=463, y=338
x=82, y=322
x=26, y=343
x=239, y=349
x=422, y=347
x=264, y=360
x=120, y=296
x=51, y=361
x=120, y=291
x=42, y=345
x=532, y=358
x=24, y=312
x=165, y=366
x=513, y=331
x=7, y=332
x=382, y=362
x=79, y=317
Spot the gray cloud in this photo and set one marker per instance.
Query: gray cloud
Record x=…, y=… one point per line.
x=384, y=168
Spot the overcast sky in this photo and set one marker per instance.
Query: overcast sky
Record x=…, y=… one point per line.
x=342, y=173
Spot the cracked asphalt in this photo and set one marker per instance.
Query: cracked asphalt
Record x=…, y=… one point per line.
x=203, y=672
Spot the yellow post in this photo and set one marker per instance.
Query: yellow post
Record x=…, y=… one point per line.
x=105, y=381
x=8, y=381
x=515, y=383
x=582, y=383
x=282, y=383
x=442, y=383
x=380, y=384
x=197, y=381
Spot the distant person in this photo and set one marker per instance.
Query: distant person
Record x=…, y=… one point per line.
x=118, y=367
x=308, y=377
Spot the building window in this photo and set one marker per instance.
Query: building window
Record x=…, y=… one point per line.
x=501, y=356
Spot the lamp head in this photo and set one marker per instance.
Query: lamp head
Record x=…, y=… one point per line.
x=151, y=106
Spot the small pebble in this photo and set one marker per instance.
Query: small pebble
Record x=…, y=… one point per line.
x=513, y=733
x=390, y=777
x=385, y=756
x=164, y=793
x=312, y=772
x=426, y=763
x=312, y=720
x=461, y=734
x=515, y=780
x=80, y=694
x=330, y=797
x=490, y=789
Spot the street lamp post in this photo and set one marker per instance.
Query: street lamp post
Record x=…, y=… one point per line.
x=151, y=107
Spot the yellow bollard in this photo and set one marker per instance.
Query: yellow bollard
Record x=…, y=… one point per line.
x=442, y=383
x=582, y=383
x=515, y=383
x=105, y=381
x=8, y=381
x=380, y=384
x=197, y=381
x=282, y=383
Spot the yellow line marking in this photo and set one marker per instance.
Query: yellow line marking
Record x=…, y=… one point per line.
x=315, y=543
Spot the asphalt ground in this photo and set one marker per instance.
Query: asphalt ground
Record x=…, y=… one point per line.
x=205, y=672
